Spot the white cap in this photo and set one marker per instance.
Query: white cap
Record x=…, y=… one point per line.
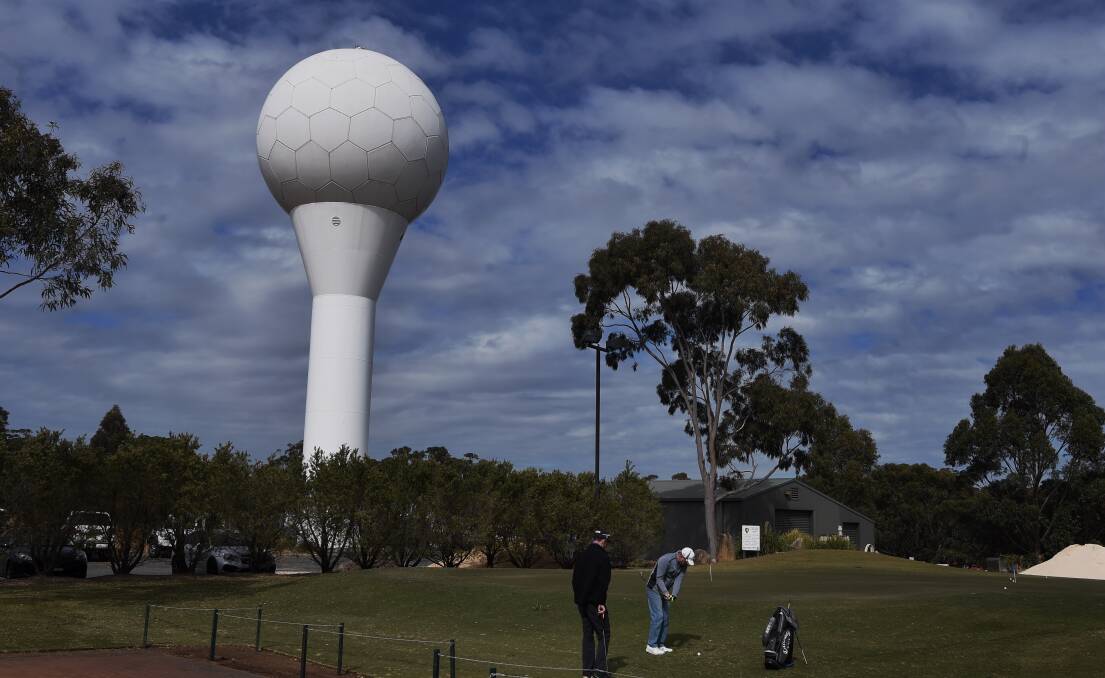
x=688, y=553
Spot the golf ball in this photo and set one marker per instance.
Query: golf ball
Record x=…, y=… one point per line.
x=1005, y=588
x=699, y=654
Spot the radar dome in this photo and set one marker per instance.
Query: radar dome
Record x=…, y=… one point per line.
x=353, y=126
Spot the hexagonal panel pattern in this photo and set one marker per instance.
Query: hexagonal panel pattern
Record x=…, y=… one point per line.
x=376, y=193
x=310, y=97
x=410, y=180
x=352, y=125
x=409, y=138
x=279, y=98
x=282, y=162
x=385, y=163
x=331, y=192
x=371, y=129
x=312, y=165
x=427, y=120
x=292, y=129
x=329, y=129
x=335, y=73
x=349, y=165
x=266, y=135
x=392, y=101
x=352, y=97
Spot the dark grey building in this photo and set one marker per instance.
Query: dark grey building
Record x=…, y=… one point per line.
x=783, y=503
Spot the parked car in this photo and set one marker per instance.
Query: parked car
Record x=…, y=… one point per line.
x=18, y=561
x=92, y=533
x=225, y=559
x=161, y=544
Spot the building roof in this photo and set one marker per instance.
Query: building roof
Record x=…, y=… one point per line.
x=691, y=490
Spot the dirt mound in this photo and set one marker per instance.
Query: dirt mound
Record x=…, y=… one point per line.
x=1077, y=561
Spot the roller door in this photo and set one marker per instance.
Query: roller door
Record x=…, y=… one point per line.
x=851, y=530
x=793, y=520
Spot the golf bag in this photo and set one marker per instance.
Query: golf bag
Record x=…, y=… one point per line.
x=779, y=638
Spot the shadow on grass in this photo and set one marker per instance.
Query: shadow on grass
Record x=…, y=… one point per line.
x=615, y=664
x=676, y=640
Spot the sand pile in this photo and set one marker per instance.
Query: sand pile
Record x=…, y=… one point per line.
x=1078, y=561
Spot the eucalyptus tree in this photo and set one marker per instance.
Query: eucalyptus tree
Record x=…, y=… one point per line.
x=1031, y=431
x=700, y=311
x=57, y=230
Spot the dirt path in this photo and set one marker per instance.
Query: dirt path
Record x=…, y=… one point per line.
x=176, y=662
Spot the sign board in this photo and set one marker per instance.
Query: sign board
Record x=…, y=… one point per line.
x=750, y=537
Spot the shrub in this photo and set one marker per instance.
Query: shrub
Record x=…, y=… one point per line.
x=771, y=541
x=834, y=542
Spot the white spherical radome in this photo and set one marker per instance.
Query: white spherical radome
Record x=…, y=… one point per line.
x=356, y=126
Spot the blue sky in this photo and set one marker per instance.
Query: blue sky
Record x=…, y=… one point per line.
x=934, y=170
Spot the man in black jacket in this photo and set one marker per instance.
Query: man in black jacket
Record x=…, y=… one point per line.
x=590, y=579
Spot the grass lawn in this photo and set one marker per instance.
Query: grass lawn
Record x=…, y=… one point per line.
x=860, y=615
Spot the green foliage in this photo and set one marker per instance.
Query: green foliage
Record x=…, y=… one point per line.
x=921, y=512
x=112, y=433
x=772, y=541
x=1030, y=432
x=833, y=542
x=139, y=486
x=43, y=481
x=567, y=514
x=524, y=517
x=691, y=308
x=327, y=501
x=631, y=513
x=56, y=229
x=841, y=461
x=454, y=507
x=196, y=503
x=493, y=506
x=407, y=507
x=370, y=537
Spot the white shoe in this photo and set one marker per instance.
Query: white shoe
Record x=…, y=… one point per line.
x=653, y=650
x=665, y=649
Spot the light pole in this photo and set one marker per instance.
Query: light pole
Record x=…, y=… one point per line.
x=599, y=350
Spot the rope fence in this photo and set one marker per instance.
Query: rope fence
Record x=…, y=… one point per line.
x=326, y=633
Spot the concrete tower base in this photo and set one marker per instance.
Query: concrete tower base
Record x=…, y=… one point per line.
x=347, y=251
x=339, y=373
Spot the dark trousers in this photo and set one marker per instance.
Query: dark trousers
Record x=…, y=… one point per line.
x=596, y=639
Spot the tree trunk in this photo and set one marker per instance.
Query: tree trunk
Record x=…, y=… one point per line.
x=489, y=553
x=710, y=507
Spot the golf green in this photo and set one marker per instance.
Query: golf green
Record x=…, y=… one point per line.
x=860, y=615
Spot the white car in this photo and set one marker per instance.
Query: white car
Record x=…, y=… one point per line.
x=92, y=534
x=224, y=559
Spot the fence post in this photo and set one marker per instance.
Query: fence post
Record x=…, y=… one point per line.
x=146, y=628
x=214, y=632
x=452, y=659
x=257, y=645
x=341, y=645
x=303, y=655
x=437, y=663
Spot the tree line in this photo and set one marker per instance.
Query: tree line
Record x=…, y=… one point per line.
x=1024, y=475
x=412, y=507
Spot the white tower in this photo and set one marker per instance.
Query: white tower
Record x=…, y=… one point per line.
x=353, y=146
